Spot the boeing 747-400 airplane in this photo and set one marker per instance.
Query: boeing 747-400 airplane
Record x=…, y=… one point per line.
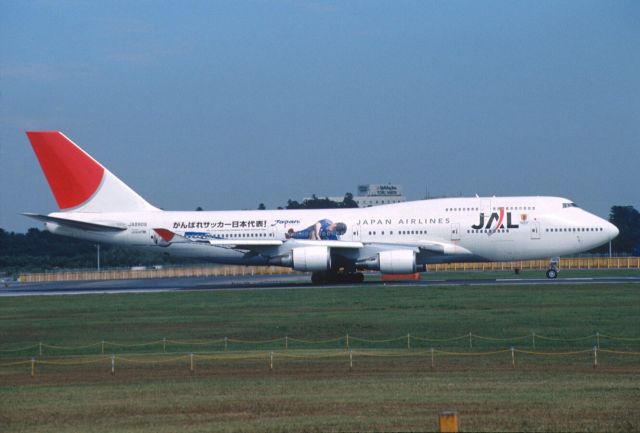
x=332, y=244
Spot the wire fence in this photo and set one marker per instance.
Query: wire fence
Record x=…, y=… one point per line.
x=470, y=341
x=429, y=359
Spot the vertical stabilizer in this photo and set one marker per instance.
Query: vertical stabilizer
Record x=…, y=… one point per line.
x=79, y=182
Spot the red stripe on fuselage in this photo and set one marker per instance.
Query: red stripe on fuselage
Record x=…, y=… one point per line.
x=500, y=219
x=72, y=174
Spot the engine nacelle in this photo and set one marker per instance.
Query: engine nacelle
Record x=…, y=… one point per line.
x=392, y=262
x=397, y=262
x=308, y=259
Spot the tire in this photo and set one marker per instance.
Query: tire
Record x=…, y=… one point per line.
x=552, y=274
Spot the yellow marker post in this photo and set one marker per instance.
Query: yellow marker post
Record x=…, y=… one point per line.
x=448, y=422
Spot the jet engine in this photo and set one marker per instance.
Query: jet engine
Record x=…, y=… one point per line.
x=391, y=262
x=308, y=259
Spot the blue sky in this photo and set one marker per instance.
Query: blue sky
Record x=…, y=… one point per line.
x=226, y=104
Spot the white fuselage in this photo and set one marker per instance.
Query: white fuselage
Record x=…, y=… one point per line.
x=438, y=230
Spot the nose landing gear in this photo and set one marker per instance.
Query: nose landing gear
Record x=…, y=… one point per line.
x=552, y=272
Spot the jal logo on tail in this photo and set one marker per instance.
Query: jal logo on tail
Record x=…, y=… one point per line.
x=496, y=217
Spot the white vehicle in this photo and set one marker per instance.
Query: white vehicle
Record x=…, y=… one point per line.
x=333, y=244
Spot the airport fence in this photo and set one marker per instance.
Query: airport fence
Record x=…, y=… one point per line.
x=451, y=352
x=469, y=341
x=231, y=270
x=135, y=273
x=430, y=359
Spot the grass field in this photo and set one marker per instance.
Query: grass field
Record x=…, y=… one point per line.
x=382, y=393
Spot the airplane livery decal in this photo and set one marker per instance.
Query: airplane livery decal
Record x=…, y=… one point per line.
x=495, y=216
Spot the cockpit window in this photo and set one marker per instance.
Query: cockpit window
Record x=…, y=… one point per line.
x=566, y=205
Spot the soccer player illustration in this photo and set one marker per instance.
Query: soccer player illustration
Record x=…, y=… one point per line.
x=322, y=230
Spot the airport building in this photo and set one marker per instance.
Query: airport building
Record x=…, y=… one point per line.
x=373, y=195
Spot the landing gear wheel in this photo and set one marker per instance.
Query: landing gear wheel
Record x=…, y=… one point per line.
x=552, y=274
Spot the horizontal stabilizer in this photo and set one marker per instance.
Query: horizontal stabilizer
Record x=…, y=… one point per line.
x=75, y=224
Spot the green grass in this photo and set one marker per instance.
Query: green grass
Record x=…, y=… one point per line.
x=373, y=313
x=385, y=393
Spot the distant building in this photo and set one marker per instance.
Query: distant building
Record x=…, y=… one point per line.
x=373, y=195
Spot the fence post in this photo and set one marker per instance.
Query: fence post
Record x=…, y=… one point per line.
x=350, y=359
x=270, y=360
x=470, y=343
x=534, y=339
x=191, y=359
x=113, y=364
x=432, y=364
x=598, y=339
x=595, y=356
x=347, y=341
x=225, y=343
x=41, y=348
x=164, y=345
x=286, y=342
x=409, y=341
x=513, y=357
x=103, y=347
x=33, y=367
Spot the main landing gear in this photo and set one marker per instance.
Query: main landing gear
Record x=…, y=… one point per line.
x=337, y=277
x=552, y=272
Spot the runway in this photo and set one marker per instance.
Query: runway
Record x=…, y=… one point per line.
x=266, y=282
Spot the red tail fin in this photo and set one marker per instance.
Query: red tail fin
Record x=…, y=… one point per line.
x=72, y=174
x=79, y=182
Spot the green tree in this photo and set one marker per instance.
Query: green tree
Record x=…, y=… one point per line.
x=348, y=201
x=323, y=203
x=627, y=219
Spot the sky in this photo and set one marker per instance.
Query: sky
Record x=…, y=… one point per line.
x=229, y=104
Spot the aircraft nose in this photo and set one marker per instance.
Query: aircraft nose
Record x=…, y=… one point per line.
x=612, y=231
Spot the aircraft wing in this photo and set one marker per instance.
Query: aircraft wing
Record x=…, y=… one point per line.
x=82, y=225
x=275, y=243
x=327, y=243
x=440, y=248
x=428, y=246
x=206, y=238
x=248, y=244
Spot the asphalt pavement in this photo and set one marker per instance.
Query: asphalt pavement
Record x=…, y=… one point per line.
x=263, y=282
